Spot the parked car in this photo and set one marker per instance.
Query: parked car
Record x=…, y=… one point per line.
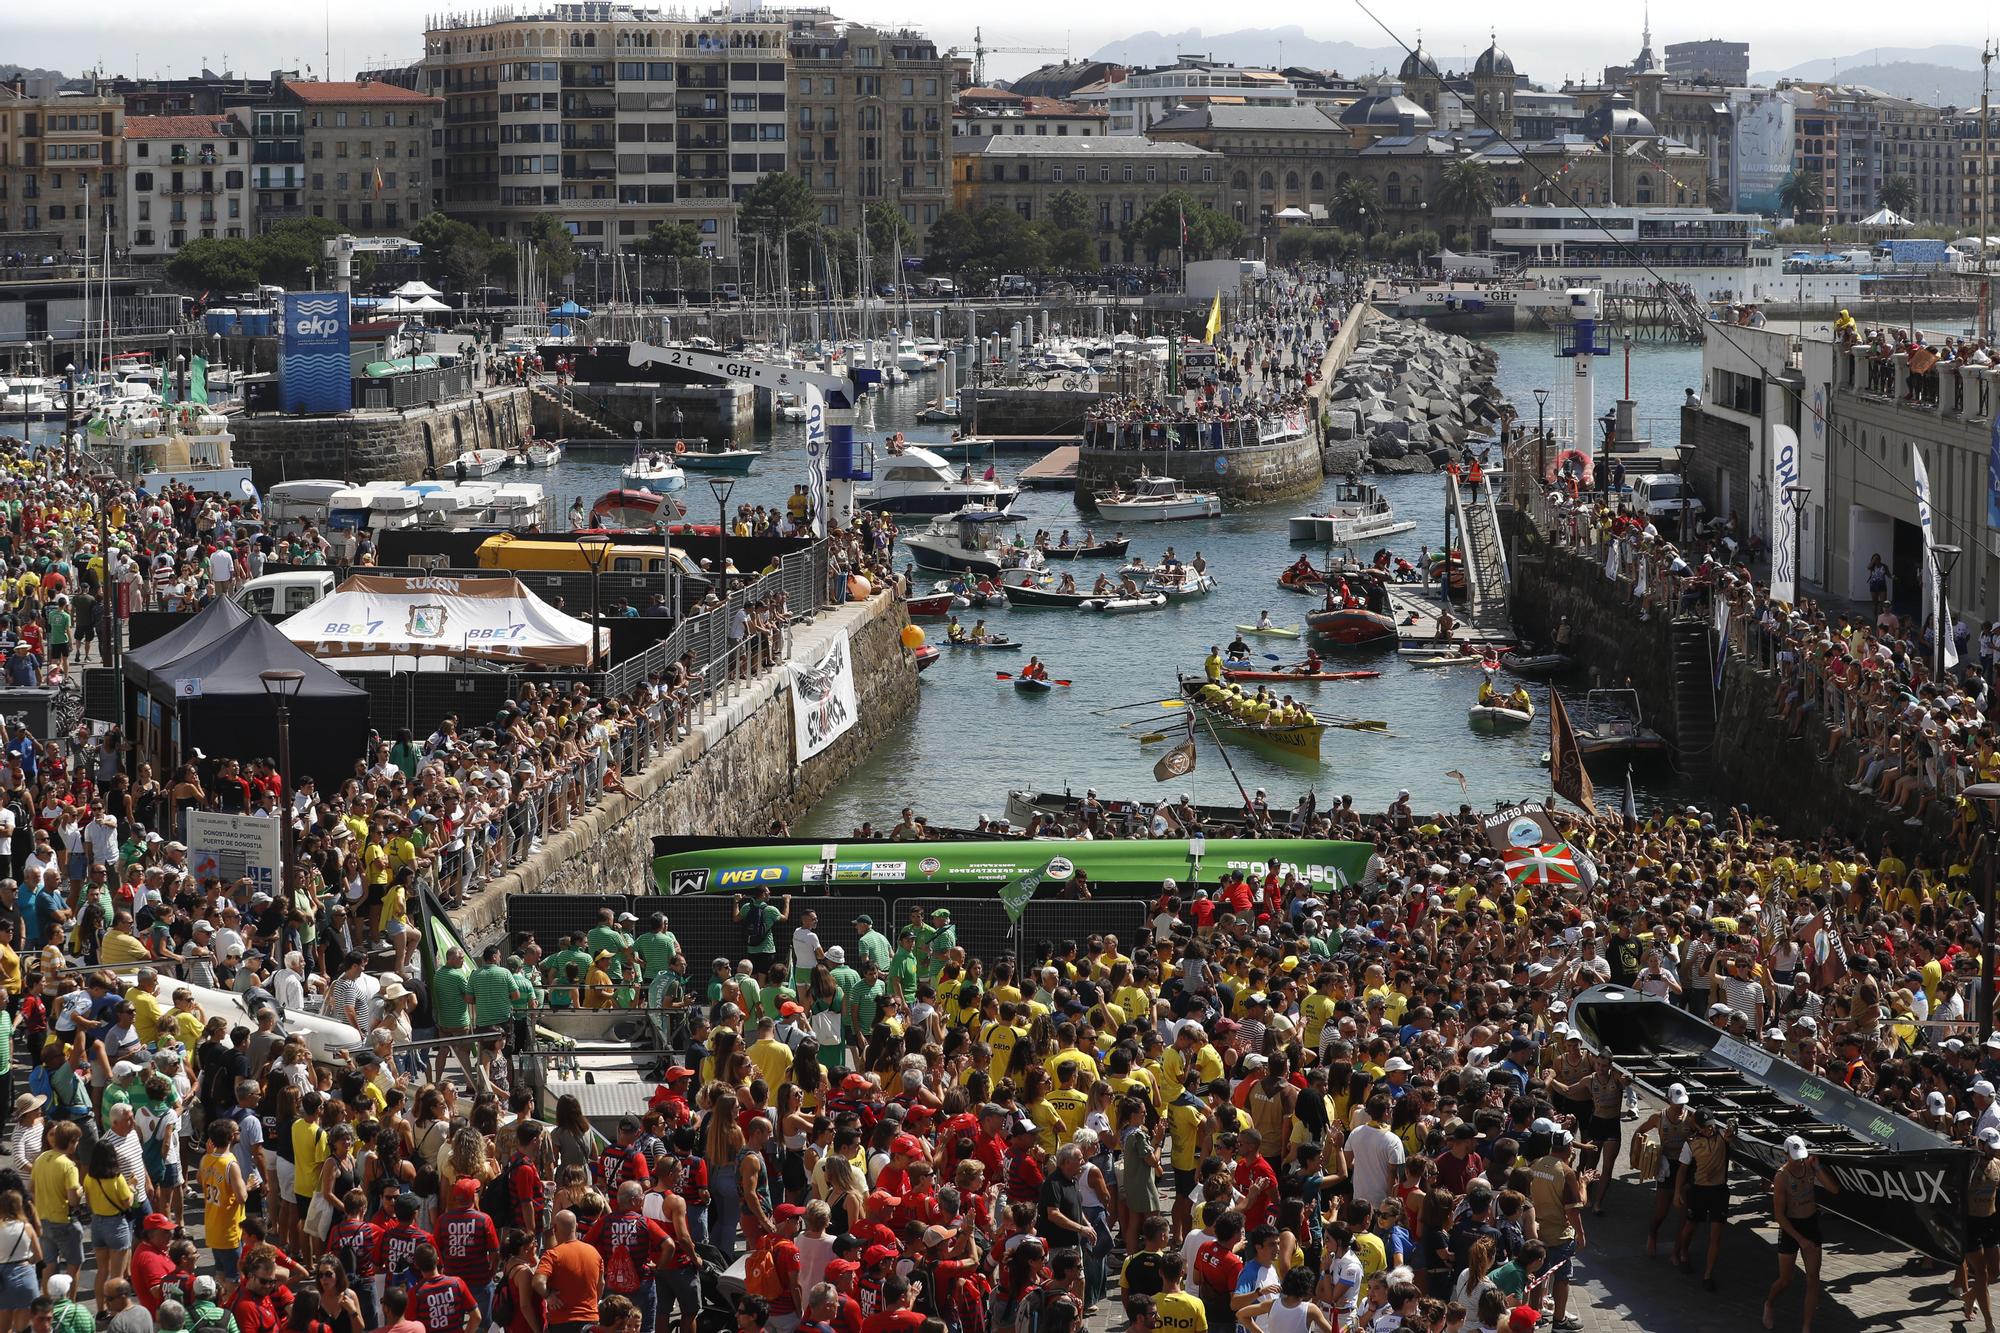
x=1658, y=495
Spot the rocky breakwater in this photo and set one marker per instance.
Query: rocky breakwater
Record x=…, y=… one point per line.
x=1408, y=399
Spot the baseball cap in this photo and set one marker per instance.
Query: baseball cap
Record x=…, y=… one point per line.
x=1982, y=1088
x=878, y=1254
x=679, y=1071
x=1795, y=1148
x=1396, y=1065
x=789, y=1008
x=204, y=1286
x=157, y=1222
x=1989, y=1137
x=1677, y=1095
x=786, y=1210
x=906, y=1144
x=1522, y=1319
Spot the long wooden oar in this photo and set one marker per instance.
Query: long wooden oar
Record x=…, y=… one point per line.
x=1144, y=703
x=1008, y=675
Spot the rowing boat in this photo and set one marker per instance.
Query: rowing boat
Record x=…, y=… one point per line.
x=1258, y=673
x=1536, y=664
x=1030, y=685
x=1493, y=715
x=1270, y=631
x=1026, y=597
x=1300, y=739
x=1001, y=645
x=1152, y=601
x=1447, y=660
x=1110, y=550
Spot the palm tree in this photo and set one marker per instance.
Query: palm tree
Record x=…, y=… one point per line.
x=1799, y=192
x=1465, y=187
x=1356, y=206
x=1899, y=195
x=1716, y=195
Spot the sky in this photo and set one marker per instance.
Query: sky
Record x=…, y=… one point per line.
x=124, y=36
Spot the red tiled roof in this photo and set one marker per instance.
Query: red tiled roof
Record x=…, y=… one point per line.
x=349, y=92
x=178, y=127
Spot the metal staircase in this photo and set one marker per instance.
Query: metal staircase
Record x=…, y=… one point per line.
x=565, y=402
x=1486, y=574
x=1694, y=694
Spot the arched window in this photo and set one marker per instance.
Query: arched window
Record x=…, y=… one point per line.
x=590, y=39
x=1318, y=182
x=1266, y=182
x=1340, y=181
x=1645, y=188
x=1392, y=189
x=1241, y=180
x=1292, y=181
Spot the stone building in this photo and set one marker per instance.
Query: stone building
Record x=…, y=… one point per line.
x=982, y=113
x=62, y=167
x=1277, y=157
x=186, y=178
x=1118, y=175
x=367, y=152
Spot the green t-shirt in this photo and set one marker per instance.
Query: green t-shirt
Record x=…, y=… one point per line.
x=760, y=926
x=867, y=1000
x=846, y=978
x=558, y=966
x=448, y=990
x=493, y=993
x=903, y=971
x=656, y=952
x=942, y=940
x=608, y=938
x=6, y=1041
x=874, y=944
x=527, y=992
x=59, y=623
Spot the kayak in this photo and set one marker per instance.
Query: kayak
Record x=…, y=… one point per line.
x=1002, y=645
x=1027, y=686
x=1535, y=664
x=1446, y=660
x=1270, y=631
x=1258, y=673
x=1115, y=605
x=1494, y=716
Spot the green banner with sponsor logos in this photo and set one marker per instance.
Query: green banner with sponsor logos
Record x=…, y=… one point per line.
x=792, y=866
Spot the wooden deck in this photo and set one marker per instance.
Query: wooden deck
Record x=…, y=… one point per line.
x=1422, y=599
x=1053, y=471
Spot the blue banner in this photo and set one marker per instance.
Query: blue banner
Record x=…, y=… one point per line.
x=314, y=368
x=1993, y=477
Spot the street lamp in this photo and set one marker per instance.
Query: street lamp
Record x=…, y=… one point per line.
x=1944, y=556
x=1541, y=436
x=596, y=548
x=1610, y=423
x=720, y=487
x=1795, y=498
x=1686, y=453
x=69, y=412
x=283, y=685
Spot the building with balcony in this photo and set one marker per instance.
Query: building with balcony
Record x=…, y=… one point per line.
x=1278, y=156
x=204, y=94
x=1144, y=96
x=277, y=163
x=1118, y=175
x=1978, y=155
x=981, y=113
x=611, y=117
x=186, y=178
x=1716, y=63
x=1857, y=139
x=871, y=120
x=366, y=148
x=62, y=165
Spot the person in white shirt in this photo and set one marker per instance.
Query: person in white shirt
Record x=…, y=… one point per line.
x=805, y=944
x=288, y=985
x=221, y=570
x=1374, y=1154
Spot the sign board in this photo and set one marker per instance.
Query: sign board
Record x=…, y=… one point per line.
x=229, y=481
x=824, y=704
x=1519, y=826
x=233, y=847
x=314, y=368
x=187, y=687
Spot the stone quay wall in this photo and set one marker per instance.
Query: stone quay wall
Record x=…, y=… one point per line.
x=391, y=445
x=730, y=777
x=1250, y=474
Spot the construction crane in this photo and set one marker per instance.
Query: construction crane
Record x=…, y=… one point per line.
x=980, y=50
x=341, y=250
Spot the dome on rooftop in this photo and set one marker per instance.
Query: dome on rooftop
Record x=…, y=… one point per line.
x=1387, y=108
x=1493, y=63
x=1617, y=118
x=1418, y=65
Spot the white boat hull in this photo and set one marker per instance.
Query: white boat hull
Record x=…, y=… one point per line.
x=1193, y=585
x=1161, y=511
x=544, y=455
x=481, y=462
x=1112, y=606
x=1338, y=531
x=659, y=480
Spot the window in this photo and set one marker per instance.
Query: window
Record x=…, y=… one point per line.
x=142, y=180
x=1128, y=172
x=340, y=121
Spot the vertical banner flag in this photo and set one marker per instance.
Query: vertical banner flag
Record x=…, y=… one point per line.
x=1567, y=774
x=1935, y=604
x=1721, y=637
x=1784, y=522
x=314, y=373
x=816, y=456
x=1214, y=329
x=824, y=705
x=198, y=381
x=1993, y=476
x=1179, y=761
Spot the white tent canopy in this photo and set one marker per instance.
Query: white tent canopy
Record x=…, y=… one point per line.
x=1886, y=217
x=410, y=305
x=373, y=619
x=415, y=288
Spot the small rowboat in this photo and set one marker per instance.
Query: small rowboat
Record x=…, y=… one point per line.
x=1492, y=715
x=544, y=453
x=1027, y=686
x=1301, y=740
x=1536, y=664
x=1270, y=631
x=1258, y=673
x=1110, y=550
x=1449, y=660
x=998, y=645
x=1351, y=625
x=934, y=607
x=927, y=656
x=1116, y=605
x=1023, y=597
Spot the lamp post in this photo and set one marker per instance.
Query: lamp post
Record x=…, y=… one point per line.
x=283, y=685
x=1686, y=454
x=1795, y=499
x=596, y=547
x=1988, y=795
x=1541, y=436
x=1610, y=423
x=720, y=487
x=1944, y=557
x=69, y=413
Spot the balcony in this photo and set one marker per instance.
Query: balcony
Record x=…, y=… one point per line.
x=272, y=154
x=472, y=86
x=590, y=173
x=701, y=111
x=582, y=111
x=707, y=143
x=585, y=81
x=705, y=81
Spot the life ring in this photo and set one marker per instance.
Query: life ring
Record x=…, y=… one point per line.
x=680, y=448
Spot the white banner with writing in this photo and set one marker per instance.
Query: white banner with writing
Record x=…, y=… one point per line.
x=233, y=847
x=1784, y=520
x=1935, y=607
x=824, y=704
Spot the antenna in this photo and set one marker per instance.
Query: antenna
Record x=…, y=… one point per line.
x=328, y=10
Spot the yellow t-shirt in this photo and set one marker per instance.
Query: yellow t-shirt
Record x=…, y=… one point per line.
x=119, y=947
x=1086, y=1065
x=148, y=1010
x=186, y=1025
x=1001, y=1040
x=1184, y=1124
x=308, y=1153
x=222, y=1202
x=773, y=1060
x=1180, y=1312
x=54, y=1176
x=1071, y=1106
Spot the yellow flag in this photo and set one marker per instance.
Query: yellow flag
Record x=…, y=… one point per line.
x=1214, y=321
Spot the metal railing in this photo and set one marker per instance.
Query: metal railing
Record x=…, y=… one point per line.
x=412, y=388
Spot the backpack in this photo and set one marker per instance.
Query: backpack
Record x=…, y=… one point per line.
x=212, y=1319
x=503, y=1301
x=621, y=1274
x=1050, y=1309
x=760, y=1274
x=496, y=1196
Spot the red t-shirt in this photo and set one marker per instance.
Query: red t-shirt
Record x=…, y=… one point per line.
x=468, y=1244
x=355, y=1243
x=527, y=1182
x=442, y=1302
x=1217, y=1268
x=394, y=1248
x=1249, y=1175
x=148, y=1267
x=638, y=1235
x=892, y=1321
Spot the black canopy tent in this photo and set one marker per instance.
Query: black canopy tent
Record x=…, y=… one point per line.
x=200, y=687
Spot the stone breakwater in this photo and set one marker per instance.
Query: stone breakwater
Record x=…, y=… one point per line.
x=1408, y=398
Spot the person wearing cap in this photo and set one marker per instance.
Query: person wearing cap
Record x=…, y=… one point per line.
x=1795, y=1190
x=1556, y=1190
x=150, y=1260
x=1982, y=1224
x=1675, y=1124
x=872, y=943
x=936, y=946
x=1702, y=1191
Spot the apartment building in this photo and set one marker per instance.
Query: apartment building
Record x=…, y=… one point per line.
x=871, y=119
x=1917, y=144
x=982, y=113
x=62, y=162
x=609, y=116
x=186, y=178
x=366, y=147
x=1711, y=61
x=1118, y=175
x=1144, y=96
x=1978, y=156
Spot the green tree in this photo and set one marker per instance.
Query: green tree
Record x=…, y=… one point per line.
x=1899, y=195
x=1158, y=229
x=1069, y=249
x=1800, y=192
x=887, y=228
x=1465, y=188
x=1356, y=206
x=456, y=253
x=209, y=265
x=289, y=252
x=670, y=245
x=1069, y=211
x=1211, y=232
x=556, y=246
x=777, y=206
x=951, y=243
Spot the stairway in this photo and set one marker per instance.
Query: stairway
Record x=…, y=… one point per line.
x=563, y=401
x=1694, y=695
x=1486, y=577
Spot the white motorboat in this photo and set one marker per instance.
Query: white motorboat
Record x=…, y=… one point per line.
x=653, y=470
x=1182, y=582
x=480, y=462
x=789, y=408
x=518, y=505
x=1111, y=606
x=908, y=359
x=544, y=453
x=972, y=541
x=30, y=396
x=305, y=500
x=1156, y=500
x=446, y=504
x=363, y=507
x=1357, y=513
x=913, y=480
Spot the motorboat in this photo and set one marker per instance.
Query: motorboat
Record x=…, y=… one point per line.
x=910, y=359
x=1148, y=601
x=377, y=510
x=1357, y=513
x=1358, y=613
x=544, y=453
x=1182, y=582
x=449, y=504
x=628, y=509
x=1502, y=712
x=1029, y=595
x=1157, y=500
x=474, y=463
x=653, y=470
x=30, y=395
x=787, y=406
x=518, y=505
x=927, y=656
x=1610, y=723
x=973, y=541
x=301, y=501
x=700, y=457
x=914, y=480
x=944, y=413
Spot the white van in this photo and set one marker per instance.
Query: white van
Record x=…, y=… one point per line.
x=1658, y=495
x=285, y=593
